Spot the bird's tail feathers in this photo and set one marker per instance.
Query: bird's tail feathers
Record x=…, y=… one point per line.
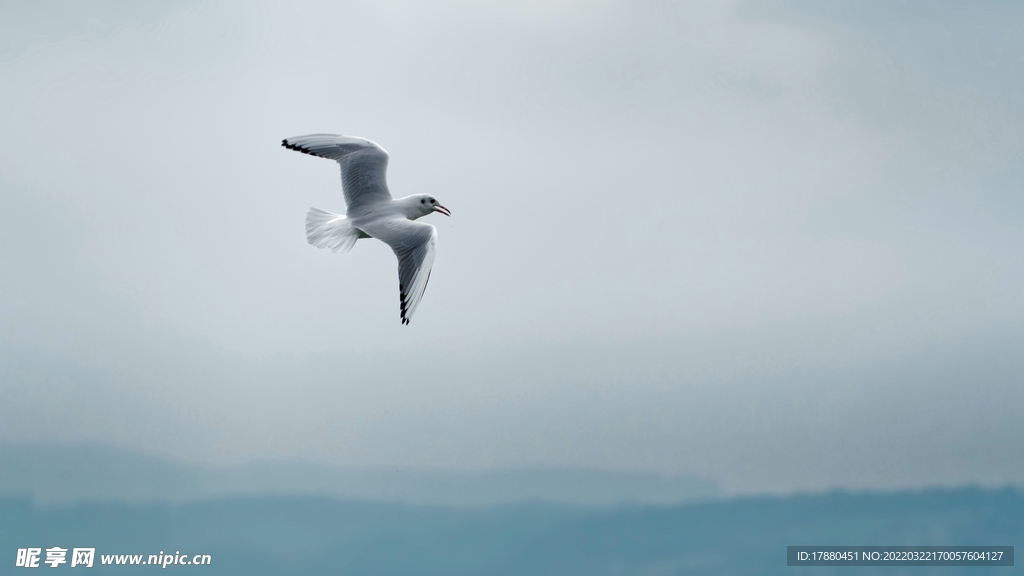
x=328, y=230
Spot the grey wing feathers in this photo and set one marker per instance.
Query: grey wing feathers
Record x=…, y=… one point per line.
x=363, y=163
x=415, y=245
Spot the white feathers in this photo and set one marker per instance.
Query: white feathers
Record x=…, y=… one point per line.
x=363, y=163
x=372, y=212
x=328, y=230
x=414, y=244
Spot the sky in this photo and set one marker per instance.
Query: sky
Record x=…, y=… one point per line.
x=775, y=244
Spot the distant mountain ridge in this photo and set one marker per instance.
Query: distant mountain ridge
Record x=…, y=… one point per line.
x=255, y=536
x=62, y=474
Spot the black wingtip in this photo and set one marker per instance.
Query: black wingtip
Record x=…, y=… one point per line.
x=295, y=147
x=402, y=304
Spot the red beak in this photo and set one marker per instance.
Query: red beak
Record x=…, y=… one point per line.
x=442, y=210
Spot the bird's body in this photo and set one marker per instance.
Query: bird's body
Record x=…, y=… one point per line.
x=371, y=212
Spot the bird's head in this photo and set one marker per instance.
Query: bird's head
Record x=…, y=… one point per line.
x=428, y=204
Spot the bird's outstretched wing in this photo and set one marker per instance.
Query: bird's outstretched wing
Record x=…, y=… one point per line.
x=414, y=245
x=364, y=165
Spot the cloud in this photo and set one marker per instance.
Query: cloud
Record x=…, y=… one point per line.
x=667, y=217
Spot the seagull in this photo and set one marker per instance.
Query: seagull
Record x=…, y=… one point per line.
x=373, y=213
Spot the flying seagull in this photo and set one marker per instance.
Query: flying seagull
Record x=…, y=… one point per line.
x=372, y=212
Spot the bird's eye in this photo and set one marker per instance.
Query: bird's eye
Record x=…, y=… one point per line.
x=432, y=201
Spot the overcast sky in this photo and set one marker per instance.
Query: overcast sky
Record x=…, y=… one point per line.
x=778, y=244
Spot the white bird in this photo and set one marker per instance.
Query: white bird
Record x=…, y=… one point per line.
x=373, y=213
